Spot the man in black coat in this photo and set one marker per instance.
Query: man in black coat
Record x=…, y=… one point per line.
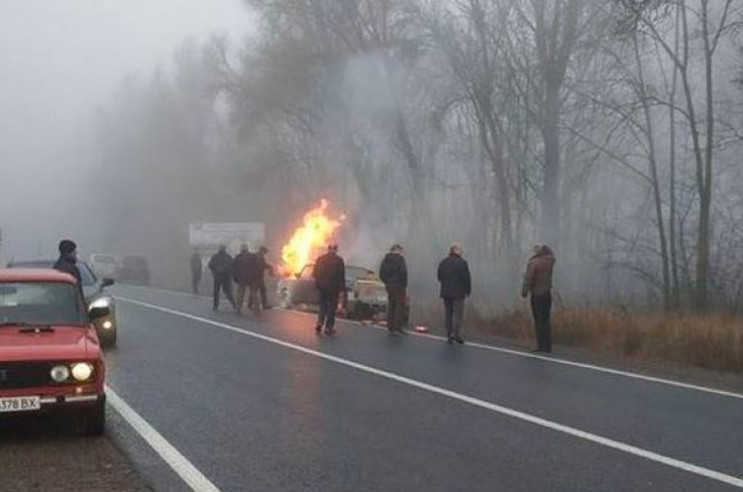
x=330, y=279
x=67, y=262
x=245, y=274
x=456, y=285
x=221, y=265
x=263, y=267
x=394, y=273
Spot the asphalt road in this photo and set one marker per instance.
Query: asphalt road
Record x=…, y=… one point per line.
x=266, y=405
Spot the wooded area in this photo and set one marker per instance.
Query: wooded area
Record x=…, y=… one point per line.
x=608, y=129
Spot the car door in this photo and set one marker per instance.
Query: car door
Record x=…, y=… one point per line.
x=305, y=291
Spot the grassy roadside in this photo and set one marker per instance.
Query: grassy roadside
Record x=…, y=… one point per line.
x=711, y=341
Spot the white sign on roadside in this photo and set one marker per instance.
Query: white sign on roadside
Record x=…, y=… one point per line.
x=208, y=236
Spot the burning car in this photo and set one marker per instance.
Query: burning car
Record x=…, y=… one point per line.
x=365, y=295
x=50, y=356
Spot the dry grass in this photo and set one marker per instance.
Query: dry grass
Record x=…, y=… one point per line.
x=712, y=341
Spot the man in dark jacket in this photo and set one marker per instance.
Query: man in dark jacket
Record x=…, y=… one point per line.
x=221, y=265
x=456, y=285
x=196, y=271
x=394, y=273
x=245, y=274
x=330, y=279
x=263, y=267
x=67, y=262
x=538, y=282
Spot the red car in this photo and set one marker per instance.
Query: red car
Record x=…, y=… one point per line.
x=50, y=356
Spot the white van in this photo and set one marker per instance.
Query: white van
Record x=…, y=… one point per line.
x=104, y=265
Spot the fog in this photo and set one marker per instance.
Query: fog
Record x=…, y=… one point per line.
x=596, y=128
x=61, y=61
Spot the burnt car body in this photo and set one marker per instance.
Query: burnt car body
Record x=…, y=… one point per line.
x=134, y=270
x=50, y=355
x=96, y=295
x=365, y=295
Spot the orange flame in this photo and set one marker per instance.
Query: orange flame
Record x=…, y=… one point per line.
x=317, y=229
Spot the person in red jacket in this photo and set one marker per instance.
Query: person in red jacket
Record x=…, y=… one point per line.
x=330, y=279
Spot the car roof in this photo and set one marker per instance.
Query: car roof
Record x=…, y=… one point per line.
x=34, y=275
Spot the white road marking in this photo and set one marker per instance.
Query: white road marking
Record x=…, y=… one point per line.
x=572, y=431
x=518, y=353
x=179, y=463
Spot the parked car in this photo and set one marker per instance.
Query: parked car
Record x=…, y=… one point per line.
x=96, y=295
x=50, y=355
x=365, y=295
x=134, y=270
x=104, y=265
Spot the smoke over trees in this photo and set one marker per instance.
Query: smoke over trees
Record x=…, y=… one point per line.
x=610, y=129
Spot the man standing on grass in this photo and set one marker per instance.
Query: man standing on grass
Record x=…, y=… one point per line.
x=330, y=279
x=394, y=273
x=456, y=285
x=538, y=282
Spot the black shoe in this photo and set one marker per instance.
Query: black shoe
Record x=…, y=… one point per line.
x=458, y=339
x=318, y=329
x=267, y=307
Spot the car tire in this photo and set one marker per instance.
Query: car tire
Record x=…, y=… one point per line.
x=93, y=420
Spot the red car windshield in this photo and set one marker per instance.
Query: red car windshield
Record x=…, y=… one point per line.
x=40, y=303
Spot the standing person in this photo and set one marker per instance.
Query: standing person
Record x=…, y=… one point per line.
x=538, y=282
x=221, y=265
x=330, y=278
x=456, y=285
x=196, y=271
x=394, y=273
x=263, y=267
x=67, y=262
x=244, y=274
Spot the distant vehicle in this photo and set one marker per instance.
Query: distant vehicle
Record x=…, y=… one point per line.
x=104, y=265
x=50, y=356
x=365, y=295
x=134, y=270
x=95, y=293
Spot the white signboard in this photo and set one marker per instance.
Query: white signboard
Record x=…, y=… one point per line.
x=208, y=236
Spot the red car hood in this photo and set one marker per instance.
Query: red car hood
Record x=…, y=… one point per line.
x=63, y=343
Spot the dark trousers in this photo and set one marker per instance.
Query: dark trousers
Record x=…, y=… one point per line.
x=454, y=309
x=396, y=300
x=541, y=308
x=224, y=284
x=195, y=281
x=252, y=290
x=262, y=289
x=328, y=308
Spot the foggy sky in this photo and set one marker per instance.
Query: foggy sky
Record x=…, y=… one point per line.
x=60, y=60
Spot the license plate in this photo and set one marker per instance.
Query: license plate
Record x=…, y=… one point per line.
x=20, y=404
